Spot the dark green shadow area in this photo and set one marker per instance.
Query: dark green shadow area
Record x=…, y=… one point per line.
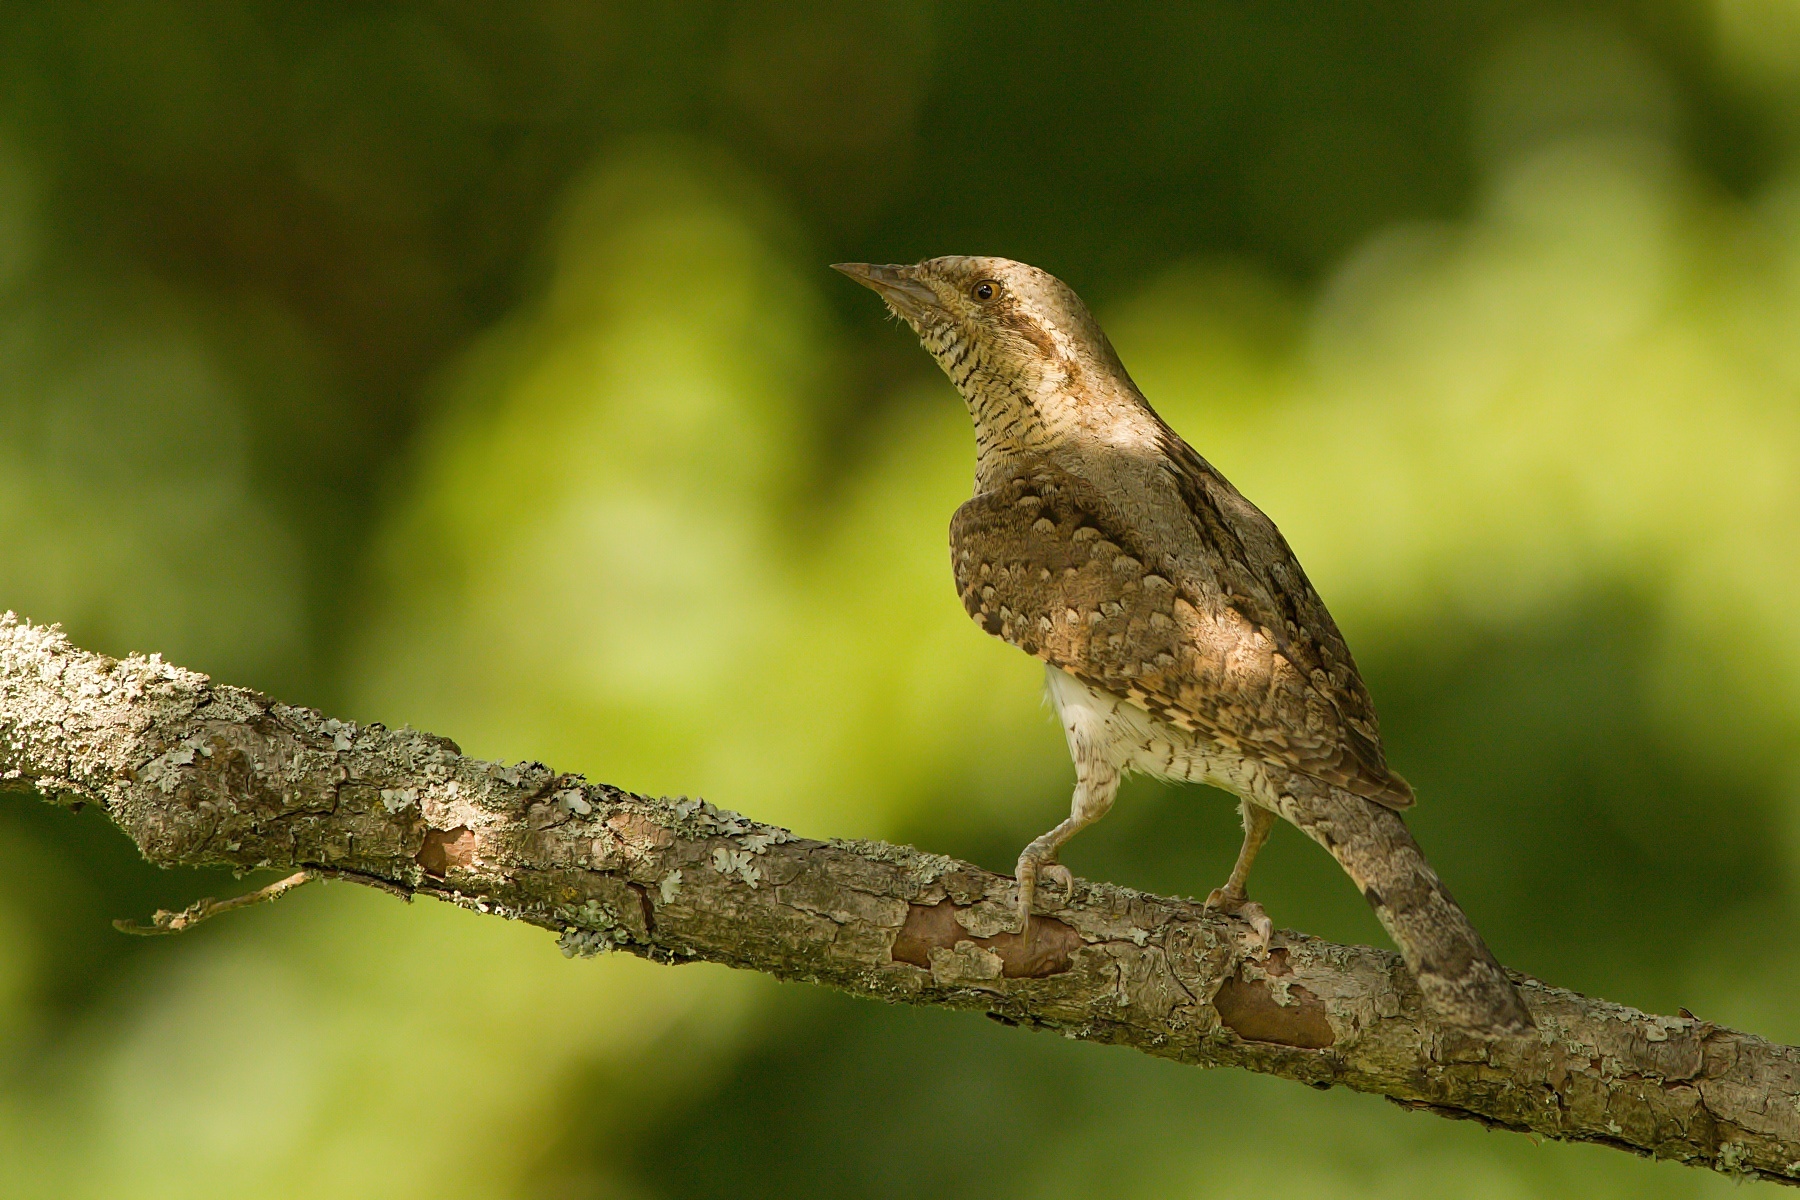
x=67, y=877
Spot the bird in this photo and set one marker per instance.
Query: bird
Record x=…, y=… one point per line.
x=1180, y=635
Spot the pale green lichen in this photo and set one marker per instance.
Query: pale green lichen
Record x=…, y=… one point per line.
x=741, y=863
x=593, y=929
x=395, y=799
x=574, y=801
x=583, y=943
x=343, y=733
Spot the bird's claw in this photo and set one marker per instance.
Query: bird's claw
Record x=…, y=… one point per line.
x=1260, y=926
x=1262, y=930
x=1033, y=871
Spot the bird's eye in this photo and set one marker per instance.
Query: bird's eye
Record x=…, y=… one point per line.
x=984, y=291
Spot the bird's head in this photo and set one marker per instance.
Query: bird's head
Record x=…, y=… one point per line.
x=1016, y=341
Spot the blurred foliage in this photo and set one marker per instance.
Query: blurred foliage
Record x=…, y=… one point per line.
x=475, y=366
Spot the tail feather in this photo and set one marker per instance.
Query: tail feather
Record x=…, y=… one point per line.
x=1458, y=974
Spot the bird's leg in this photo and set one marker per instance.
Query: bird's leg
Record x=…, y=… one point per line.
x=1259, y=822
x=1096, y=785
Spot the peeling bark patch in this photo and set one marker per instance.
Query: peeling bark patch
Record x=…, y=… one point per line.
x=640, y=832
x=1248, y=1009
x=446, y=848
x=1046, y=951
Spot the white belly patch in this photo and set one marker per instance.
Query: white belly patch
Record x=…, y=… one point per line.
x=1103, y=728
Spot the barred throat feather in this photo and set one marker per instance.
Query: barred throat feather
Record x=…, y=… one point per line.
x=1007, y=420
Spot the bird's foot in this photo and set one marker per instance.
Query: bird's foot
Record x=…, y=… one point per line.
x=1033, y=871
x=1239, y=905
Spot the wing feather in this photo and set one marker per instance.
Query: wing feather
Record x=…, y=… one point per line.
x=1249, y=659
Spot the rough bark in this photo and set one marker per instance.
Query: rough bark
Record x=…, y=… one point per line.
x=202, y=774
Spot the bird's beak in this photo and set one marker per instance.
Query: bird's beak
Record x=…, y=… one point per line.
x=900, y=286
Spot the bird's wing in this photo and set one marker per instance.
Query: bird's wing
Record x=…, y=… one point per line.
x=1248, y=659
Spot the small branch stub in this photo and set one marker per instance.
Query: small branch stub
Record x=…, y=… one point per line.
x=164, y=921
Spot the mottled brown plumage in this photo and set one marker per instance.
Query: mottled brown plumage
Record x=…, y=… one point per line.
x=1181, y=635
x=1247, y=659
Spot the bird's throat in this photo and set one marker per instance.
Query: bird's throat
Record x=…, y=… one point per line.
x=1006, y=402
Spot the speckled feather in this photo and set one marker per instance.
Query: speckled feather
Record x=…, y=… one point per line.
x=1246, y=657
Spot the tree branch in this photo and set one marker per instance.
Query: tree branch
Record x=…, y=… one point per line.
x=201, y=774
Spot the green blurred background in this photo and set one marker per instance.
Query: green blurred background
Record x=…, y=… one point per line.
x=476, y=366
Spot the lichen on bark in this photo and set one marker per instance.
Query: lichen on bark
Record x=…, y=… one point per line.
x=198, y=773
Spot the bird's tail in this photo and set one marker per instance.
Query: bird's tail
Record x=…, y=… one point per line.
x=1455, y=970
